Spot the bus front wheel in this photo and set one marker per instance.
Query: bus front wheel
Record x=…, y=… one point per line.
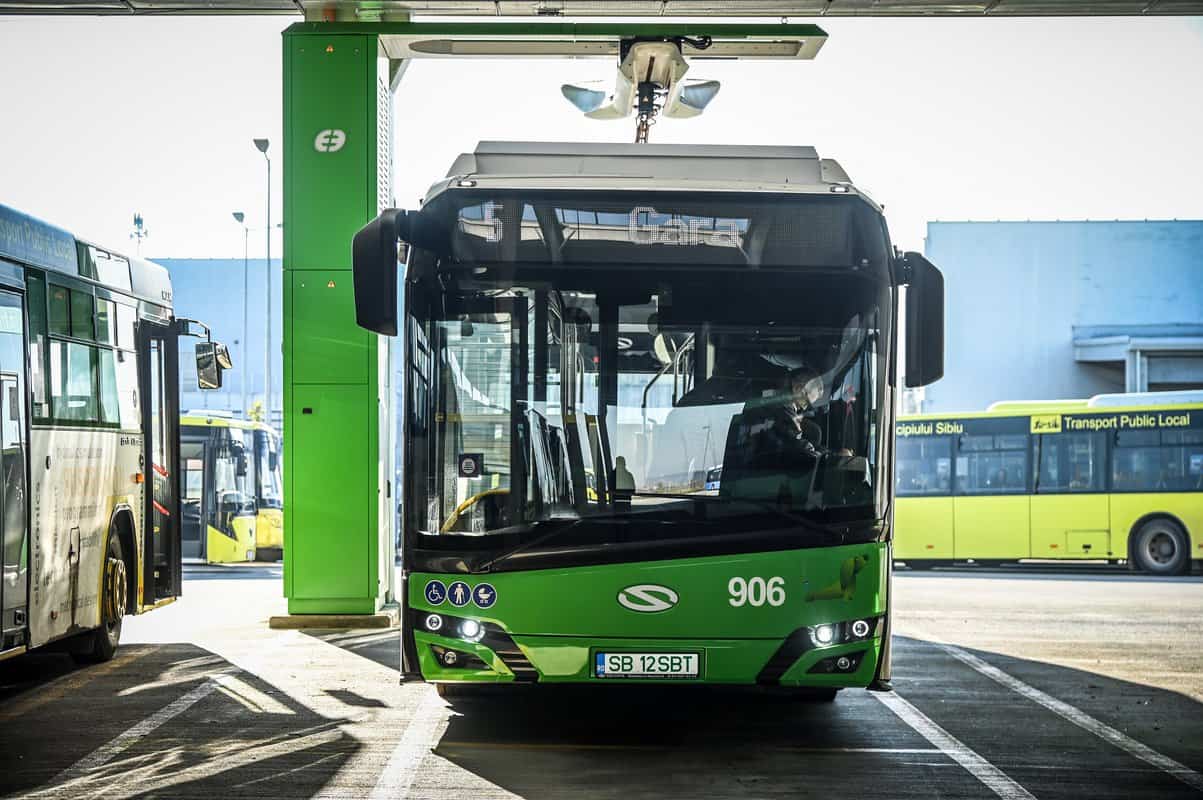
x=114, y=601
x=1159, y=547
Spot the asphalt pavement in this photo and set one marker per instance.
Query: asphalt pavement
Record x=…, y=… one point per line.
x=1012, y=683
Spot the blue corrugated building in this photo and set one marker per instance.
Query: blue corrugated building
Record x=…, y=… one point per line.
x=1044, y=310
x=211, y=290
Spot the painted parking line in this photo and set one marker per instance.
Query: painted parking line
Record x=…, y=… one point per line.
x=107, y=752
x=423, y=732
x=1079, y=718
x=991, y=776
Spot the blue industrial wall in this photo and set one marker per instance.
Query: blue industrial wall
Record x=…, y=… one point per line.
x=1017, y=293
x=210, y=290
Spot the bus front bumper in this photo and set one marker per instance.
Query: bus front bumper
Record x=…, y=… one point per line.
x=789, y=662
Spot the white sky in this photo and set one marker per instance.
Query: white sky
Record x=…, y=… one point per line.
x=937, y=119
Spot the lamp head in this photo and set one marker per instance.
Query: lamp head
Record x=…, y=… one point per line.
x=239, y=217
x=262, y=144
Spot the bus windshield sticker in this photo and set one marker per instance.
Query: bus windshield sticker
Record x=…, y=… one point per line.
x=1046, y=423
x=471, y=465
x=484, y=595
x=459, y=593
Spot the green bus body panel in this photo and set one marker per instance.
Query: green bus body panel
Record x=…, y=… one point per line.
x=331, y=429
x=559, y=617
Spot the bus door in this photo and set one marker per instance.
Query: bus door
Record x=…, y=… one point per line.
x=14, y=528
x=991, y=509
x=1071, y=514
x=158, y=368
x=192, y=501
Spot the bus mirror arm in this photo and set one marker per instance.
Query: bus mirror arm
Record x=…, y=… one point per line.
x=376, y=256
x=924, y=318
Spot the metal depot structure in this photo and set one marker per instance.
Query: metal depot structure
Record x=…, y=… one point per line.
x=341, y=67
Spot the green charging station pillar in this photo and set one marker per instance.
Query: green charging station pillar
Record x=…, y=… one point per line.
x=337, y=434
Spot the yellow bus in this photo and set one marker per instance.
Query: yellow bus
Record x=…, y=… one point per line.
x=233, y=506
x=1116, y=477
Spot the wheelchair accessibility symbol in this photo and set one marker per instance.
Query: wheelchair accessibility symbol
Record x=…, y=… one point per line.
x=436, y=593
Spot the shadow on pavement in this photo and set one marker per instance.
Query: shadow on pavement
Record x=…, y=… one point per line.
x=239, y=737
x=381, y=646
x=621, y=742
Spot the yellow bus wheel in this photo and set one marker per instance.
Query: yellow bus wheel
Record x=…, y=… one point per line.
x=1160, y=547
x=114, y=604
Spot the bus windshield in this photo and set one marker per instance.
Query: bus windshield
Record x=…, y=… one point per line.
x=267, y=471
x=649, y=404
x=231, y=481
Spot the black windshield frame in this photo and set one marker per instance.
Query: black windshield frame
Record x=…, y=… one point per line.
x=439, y=286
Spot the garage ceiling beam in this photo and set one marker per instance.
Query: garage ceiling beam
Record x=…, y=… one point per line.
x=370, y=10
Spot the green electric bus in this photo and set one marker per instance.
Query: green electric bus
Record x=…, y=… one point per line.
x=642, y=313
x=1116, y=477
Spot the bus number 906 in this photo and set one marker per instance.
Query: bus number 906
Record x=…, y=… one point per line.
x=756, y=591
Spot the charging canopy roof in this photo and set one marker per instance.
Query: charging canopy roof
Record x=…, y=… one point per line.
x=370, y=10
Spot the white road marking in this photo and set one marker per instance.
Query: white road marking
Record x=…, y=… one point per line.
x=1080, y=718
x=251, y=698
x=993, y=777
x=107, y=752
x=421, y=735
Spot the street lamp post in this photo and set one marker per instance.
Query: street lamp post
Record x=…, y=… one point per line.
x=240, y=218
x=261, y=145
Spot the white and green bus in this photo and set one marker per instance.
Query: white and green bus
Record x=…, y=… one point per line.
x=89, y=387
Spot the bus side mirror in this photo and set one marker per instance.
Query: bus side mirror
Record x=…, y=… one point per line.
x=374, y=263
x=376, y=255
x=273, y=460
x=211, y=359
x=924, y=320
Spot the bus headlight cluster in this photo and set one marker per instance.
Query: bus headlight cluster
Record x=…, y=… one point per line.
x=471, y=630
x=833, y=633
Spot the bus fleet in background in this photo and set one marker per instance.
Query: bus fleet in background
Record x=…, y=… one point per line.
x=233, y=502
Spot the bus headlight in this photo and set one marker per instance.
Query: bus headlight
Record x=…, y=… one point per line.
x=471, y=630
x=433, y=623
x=824, y=634
x=860, y=629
